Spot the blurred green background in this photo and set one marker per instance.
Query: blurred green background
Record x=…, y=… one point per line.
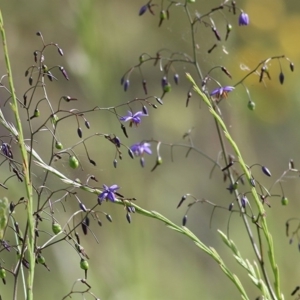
x=101, y=41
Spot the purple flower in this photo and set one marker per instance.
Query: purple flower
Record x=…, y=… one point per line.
x=143, y=10
x=108, y=193
x=140, y=148
x=221, y=92
x=244, y=19
x=133, y=118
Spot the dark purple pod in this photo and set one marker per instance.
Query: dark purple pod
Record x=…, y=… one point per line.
x=145, y=110
x=87, y=124
x=126, y=85
x=231, y=206
x=145, y=86
x=266, y=171
x=244, y=201
x=82, y=207
x=181, y=201
x=60, y=51
x=215, y=31
x=154, y=106
x=108, y=217
x=292, y=67
x=25, y=99
x=35, y=54
x=128, y=217
x=226, y=72
x=116, y=141
x=164, y=81
x=176, y=78
x=143, y=9
x=142, y=162
x=159, y=100
x=130, y=153
x=11, y=207
x=124, y=130
x=79, y=132
x=115, y=162
x=281, y=78
x=30, y=80
x=93, y=162
x=132, y=209
x=184, y=220
x=26, y=73
x=64, y=72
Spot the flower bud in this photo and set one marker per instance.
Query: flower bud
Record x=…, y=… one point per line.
x=281, y=78
x=126, y=85
x=128, y=217
x=79, y=132
x=143, y=9
x=59, y=145
x=64, y=72
x=251, y=105
x=266, y=171
x=73, y=162
x=84, y=265
x=184, y=220
x=3, y=275
x=292, y=67
x=56, y=228
x=176, y=79
x=284, y=201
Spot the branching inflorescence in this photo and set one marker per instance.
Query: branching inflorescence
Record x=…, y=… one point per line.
x=248, y=196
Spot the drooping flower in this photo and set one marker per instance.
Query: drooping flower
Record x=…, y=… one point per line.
x=133, y=118
x=108, y=193
x=243, y=19
x=221, y=92
x=140, y=148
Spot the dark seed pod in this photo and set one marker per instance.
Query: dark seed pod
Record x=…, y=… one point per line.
x=214, y=29
x=281, y=78
x=60, y=51
x=226, y=72
x=211, y=49
x=128, y=208
x=292, y=67
x=35, y=54
x=145, y=110
x=99, y=223
x=124, y=130
x=122, y=80
x=82, y=207
x=181, y=201
x=159, y=100
x=11, y=207
x=39, y=33
x=231, y=206
x=87, y=124
x=26, y=73
x=126, y=85
x=132, y=209
x=50, y=76
x=128, y=217
x=130, y=153
x=244, y=201
x=142, y=162
x=252, y=182
x=115, y=162
x=266, y=171
x=64, y=72
x=143, y=9
x=176, y=79
x=154, y=106
x=108, y=217
x=30, y=80
x=116, y=141
x=145, y=86
x=297, y=288
x=184, y=220
x=92, y=162
x=79, y=132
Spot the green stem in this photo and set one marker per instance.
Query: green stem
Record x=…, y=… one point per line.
x=247, y=173
x=27, y=178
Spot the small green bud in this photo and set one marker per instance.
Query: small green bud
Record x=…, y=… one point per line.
x=284, y=201
x=73, y=162
x=59, y=145
x=41, y=259
x=36, y=113
x=84, y=265
x=167, y=88
x=251, y=105
x=56, y=228
x=54, y=119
